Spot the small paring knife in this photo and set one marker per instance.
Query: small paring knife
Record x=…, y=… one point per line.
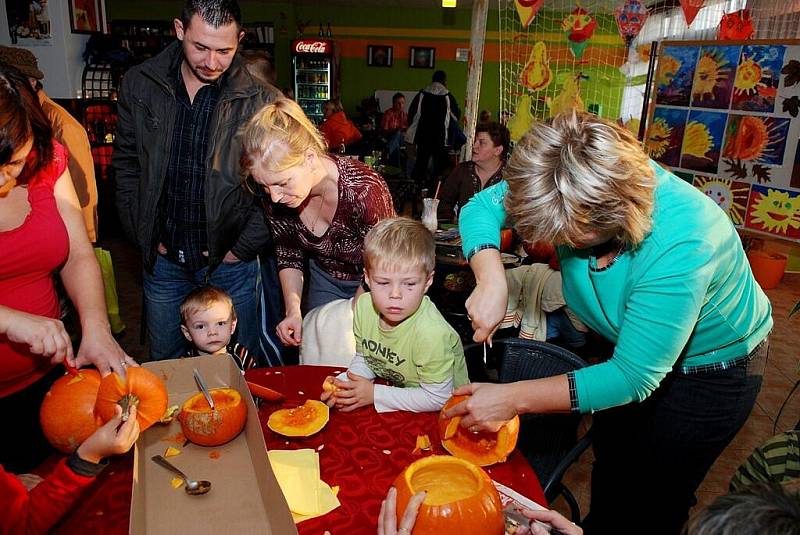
x=202, y=386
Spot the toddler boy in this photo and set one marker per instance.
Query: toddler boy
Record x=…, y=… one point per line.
x=208, y=321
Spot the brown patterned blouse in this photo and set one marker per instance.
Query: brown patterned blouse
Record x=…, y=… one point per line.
x=364, y=199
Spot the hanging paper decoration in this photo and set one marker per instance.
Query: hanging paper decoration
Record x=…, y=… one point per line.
x=630, y=16
x=579, y=27
x=527, y=9
x=537, y=74
x=736, y=26
x=690, y=9
x=570, y=96
x=522, y=120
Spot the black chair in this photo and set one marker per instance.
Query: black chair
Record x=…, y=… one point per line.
x=549, y=441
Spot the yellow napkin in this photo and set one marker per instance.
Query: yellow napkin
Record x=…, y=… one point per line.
x=297, y=472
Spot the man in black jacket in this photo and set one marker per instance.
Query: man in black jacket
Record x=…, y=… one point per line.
x=429, y=116
x=177, y=170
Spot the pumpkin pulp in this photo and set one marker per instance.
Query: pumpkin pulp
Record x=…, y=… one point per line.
x=444, y=482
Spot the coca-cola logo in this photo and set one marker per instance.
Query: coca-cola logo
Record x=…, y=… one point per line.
x=311, y=47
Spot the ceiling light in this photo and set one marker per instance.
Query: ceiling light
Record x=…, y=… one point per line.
x=449, y=3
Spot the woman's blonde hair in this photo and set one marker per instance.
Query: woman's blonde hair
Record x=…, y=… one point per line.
x=281, y=123
x=577, y=174
x=398, y=243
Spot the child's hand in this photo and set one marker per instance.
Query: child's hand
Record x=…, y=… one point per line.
x=108, y=440
x=329, y=389
x=355, y=393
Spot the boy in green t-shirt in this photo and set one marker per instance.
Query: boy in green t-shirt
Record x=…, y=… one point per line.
x=400, y=335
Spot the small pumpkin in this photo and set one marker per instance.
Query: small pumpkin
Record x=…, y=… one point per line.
x=140, y=388
x=483, y=448
x=460, y=497
x=302, y=421
x=207, y=427
x=67, y=413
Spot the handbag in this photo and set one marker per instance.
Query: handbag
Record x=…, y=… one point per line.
x=110, y=289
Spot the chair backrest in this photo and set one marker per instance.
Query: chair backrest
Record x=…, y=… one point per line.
x=545, y=439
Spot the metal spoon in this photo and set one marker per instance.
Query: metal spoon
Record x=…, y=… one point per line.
x=192, y=487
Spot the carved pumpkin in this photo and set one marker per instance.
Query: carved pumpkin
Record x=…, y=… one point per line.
x=460, y=497
x=67, y=412
x=141, y=388
x=483, y=448
x=302, y=421
x=205, y=427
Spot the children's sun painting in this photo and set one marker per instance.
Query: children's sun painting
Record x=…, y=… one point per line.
x=775, y=211
x=730, y=195
x=757, y=77
x=663, y=141
x=756, y=139
x=675, y=74
x=714, y=75
x=702, y=141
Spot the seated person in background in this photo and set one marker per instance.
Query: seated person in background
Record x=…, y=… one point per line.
x=208, y=320
x=489, y=151
x=38, y=510
x=400, y=335
x=394, y=124
x=337, y=129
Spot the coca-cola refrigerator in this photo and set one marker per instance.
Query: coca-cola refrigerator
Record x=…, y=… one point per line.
x=313, y=65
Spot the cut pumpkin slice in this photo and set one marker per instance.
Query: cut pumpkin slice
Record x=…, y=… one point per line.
x=302, y=421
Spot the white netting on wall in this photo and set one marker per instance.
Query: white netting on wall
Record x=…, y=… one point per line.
x=543, y=68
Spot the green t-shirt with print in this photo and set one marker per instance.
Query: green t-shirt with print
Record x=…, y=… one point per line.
x=424, y=348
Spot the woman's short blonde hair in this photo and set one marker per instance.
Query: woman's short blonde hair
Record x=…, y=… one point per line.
x=399, y=243
x=280, y=130
x=577, y=174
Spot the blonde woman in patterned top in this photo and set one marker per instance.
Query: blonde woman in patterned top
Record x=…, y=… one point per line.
x=321, y=208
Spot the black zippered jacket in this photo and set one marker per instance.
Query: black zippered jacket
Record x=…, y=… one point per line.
x=147, y=107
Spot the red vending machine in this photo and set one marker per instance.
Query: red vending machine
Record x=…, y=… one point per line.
x=313, y=64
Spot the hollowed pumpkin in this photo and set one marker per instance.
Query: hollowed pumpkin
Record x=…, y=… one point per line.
x=205, y=427
x=67, y=413
x=460, y=497
x=483, y=448
x=141, y=388
x=302, y=421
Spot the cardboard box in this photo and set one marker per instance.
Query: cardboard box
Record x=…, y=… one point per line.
x=244, y=496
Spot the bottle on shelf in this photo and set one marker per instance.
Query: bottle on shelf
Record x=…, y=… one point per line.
x=321, y=32
x=329, y=33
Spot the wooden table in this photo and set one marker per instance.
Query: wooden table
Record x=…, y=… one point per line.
x=361, y=452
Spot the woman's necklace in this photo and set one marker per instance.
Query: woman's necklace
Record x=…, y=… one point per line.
x=319, y=212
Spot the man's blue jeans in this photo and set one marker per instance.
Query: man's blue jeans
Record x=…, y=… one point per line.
x=169, y=284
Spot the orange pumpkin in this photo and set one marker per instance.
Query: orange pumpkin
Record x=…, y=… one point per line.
x=207, y=427
x=302, y=421
x=460, y=497
x=141, y=388
x=483, y=448
x=67, y=412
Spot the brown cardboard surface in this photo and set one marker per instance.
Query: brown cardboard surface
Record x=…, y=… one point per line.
x=244, y=496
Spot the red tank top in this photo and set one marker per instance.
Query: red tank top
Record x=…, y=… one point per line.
x=29, y=254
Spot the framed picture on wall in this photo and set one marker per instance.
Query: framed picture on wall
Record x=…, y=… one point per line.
x=379, y=56
x=86, y=16
x=422, y=57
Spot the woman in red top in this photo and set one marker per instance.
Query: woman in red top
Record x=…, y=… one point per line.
x=41, y=231
x=337, y=128
x=322, y=207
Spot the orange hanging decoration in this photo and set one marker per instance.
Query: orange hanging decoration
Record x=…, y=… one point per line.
x=736, y=26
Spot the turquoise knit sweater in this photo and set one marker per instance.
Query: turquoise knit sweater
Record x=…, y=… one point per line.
x=685, y=293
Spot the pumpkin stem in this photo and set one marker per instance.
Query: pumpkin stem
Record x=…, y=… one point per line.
x=126, y=402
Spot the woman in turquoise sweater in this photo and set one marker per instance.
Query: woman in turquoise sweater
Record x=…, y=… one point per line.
x=654, y=266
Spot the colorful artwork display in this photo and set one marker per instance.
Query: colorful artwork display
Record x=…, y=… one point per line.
x=728, y=115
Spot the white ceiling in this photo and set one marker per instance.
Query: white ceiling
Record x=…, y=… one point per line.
x=370, y=3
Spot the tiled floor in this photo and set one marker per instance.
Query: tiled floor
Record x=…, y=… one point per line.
x=783, y=370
